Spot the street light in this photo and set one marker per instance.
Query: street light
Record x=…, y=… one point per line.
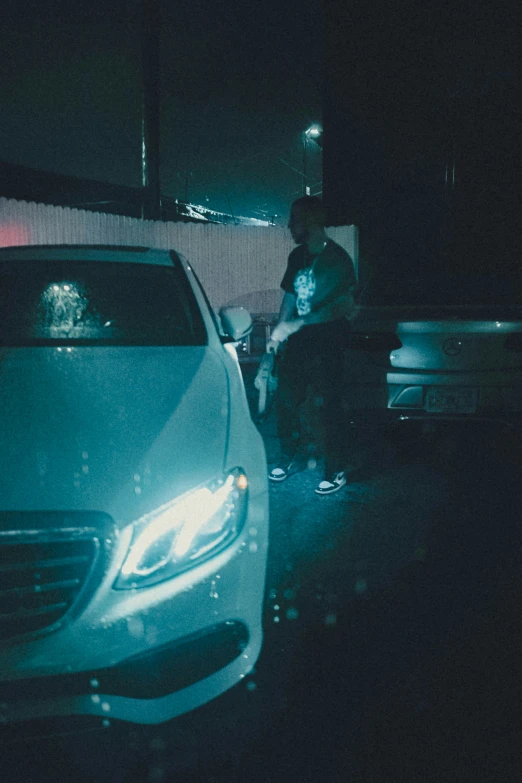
x=313, y=132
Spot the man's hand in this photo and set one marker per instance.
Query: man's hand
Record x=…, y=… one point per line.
x=283, y=330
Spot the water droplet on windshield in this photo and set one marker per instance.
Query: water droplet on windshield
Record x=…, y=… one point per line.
x=136, y=627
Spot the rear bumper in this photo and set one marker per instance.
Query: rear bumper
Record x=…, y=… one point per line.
x=393, y=395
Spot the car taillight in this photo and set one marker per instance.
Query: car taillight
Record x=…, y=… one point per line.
x=373, y=341
x=514, y=342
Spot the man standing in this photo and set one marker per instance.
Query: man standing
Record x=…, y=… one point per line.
x=318, y=300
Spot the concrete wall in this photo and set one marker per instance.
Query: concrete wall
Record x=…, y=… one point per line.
x=240, y=265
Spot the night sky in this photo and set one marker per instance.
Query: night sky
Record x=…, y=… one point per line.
x=240, y=83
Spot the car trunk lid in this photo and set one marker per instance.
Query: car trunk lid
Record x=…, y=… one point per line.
x=443, y=339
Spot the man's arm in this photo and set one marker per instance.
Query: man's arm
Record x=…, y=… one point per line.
x=287, y=310
x=341, y=306
x=286, y=316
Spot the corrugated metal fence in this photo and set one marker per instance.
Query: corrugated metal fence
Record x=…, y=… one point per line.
x=240, y=265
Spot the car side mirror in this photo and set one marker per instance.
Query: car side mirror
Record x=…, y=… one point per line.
x=236, y=323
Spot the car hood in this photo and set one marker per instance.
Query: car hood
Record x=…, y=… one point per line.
x=109, y=429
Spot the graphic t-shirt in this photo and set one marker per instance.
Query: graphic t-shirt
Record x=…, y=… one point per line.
x=304, y=287
x=318, y=279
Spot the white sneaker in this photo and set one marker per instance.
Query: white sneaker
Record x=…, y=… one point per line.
x=333, y=484
x=282, y=471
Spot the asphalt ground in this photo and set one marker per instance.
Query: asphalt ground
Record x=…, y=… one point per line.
x=392, y=623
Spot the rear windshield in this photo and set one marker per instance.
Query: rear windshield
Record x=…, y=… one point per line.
x=97, y=303
x=444, y=289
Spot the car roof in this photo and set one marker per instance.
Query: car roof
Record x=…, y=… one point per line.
x=112, y=253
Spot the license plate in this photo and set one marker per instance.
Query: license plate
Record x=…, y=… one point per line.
x=446, y=399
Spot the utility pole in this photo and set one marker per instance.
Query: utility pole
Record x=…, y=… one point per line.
x=150, y=118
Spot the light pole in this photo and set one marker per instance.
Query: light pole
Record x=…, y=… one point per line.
x=313, y=132
x=150, y=117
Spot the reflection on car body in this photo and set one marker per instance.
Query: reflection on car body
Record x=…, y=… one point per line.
x=445, y=346
x=133, y=491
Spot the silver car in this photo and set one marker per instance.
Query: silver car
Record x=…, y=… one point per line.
x=440, y=346
x=133, y=490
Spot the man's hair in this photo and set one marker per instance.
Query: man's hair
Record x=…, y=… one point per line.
x=313, y=207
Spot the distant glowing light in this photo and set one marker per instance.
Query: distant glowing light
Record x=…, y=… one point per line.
x=242, y=481
x=314, y=131
x=12, y=234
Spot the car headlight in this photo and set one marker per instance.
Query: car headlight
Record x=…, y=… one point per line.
x=185, y=531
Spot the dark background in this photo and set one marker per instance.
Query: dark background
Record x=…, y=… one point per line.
x=422, y=117
x=421, y=105
x=239, y=83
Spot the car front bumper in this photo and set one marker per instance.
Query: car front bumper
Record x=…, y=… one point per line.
x=149, y=654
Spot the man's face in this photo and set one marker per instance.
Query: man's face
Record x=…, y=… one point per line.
x=298, y=226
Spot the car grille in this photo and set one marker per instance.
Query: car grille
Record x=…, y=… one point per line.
x=40, y=582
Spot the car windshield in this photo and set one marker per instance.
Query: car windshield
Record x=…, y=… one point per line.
x=445, y=289
x=97, y=303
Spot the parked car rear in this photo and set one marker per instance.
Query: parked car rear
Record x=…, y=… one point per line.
x=438, y=346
